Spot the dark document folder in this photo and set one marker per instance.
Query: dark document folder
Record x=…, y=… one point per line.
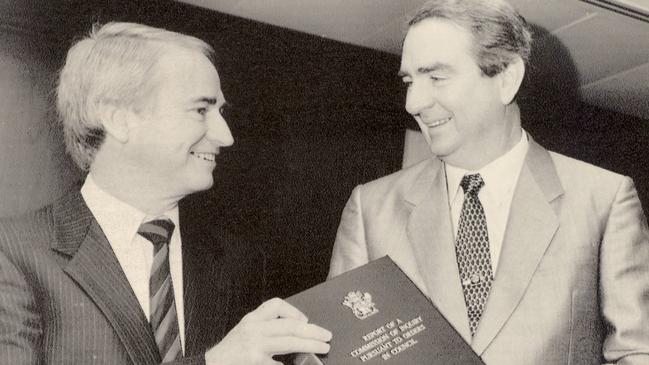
x=378, y=316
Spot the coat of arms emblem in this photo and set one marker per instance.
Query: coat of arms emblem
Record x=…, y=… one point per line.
x=360, y=303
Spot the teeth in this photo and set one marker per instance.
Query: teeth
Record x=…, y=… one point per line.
x=439, y=122
x=205, y=156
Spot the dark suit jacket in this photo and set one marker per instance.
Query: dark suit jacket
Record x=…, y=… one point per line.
x=65, y=300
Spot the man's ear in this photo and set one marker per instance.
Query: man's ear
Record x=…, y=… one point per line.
x=510, y=80
x=116, y=121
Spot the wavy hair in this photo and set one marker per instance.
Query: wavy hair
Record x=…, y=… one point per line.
x=113, y=65
x=498, y=30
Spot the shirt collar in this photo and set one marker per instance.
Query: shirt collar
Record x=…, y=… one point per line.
x=118, y=220
x=499, y=176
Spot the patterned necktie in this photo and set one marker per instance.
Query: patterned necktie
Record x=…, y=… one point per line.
x=472, y=251
x=163, y=317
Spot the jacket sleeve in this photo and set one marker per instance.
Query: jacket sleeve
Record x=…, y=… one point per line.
x=20, y=321
x=624, y=279
x=350, y=247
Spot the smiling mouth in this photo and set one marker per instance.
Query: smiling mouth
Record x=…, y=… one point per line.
x=211, y=157
x=438, y=122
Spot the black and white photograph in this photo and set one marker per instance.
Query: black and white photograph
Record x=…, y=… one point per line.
x=320, y=182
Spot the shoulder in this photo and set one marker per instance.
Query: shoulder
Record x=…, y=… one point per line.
x=25, y=241
x=589, y=188
x=577, y=173
x=398, y=183
x=27, y=227
x=568, y=166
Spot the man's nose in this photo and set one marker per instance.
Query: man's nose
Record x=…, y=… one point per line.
x=219, y=132
x=419, y=97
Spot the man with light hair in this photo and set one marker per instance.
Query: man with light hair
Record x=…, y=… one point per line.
x=116, y=273
x=533, y=257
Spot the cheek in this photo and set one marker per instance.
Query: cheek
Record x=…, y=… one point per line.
x=195, y=131
x=471, y=101
x=183, y=136
x=452, y=97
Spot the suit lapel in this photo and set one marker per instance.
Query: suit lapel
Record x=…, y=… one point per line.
x=93, y=265
x=431, y=236
x=532, y=224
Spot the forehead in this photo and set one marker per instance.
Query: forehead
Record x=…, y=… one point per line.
x=436, y=41
x=185, y=74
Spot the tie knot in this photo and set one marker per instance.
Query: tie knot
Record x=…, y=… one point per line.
x=158, y=231
x=471, y=184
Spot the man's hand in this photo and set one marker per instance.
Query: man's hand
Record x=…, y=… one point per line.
x=274, y=328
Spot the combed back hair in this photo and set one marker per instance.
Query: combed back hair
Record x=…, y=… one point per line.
x=112, y=66
x=499, y=32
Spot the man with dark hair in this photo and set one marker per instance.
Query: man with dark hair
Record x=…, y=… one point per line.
x=115, y=273
x=533, y=257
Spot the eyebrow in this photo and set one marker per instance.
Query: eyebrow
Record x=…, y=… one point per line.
x=210, y=101
x=428, y=69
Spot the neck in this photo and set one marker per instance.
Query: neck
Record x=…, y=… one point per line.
x=130, y=186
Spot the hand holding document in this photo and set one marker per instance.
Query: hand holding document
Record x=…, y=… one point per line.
x=274, y=328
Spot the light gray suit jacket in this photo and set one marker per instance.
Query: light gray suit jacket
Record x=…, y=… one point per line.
x=572, y=283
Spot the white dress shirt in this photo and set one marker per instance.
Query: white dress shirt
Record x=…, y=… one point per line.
x=500, y=177
x=120, y=223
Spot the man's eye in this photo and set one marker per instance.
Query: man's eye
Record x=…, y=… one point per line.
x=225, y=110
x=201, y=111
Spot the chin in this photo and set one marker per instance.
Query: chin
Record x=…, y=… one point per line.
x=201, y=184
x=443, y=146
x=437, y=151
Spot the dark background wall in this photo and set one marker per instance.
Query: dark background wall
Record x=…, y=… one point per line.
x=312, y=118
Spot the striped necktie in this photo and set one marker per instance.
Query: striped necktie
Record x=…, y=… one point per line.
x=163, y=316
x=472, y=251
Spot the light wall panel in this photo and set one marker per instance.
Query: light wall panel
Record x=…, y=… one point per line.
x=625, y=92
x=606, y=45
